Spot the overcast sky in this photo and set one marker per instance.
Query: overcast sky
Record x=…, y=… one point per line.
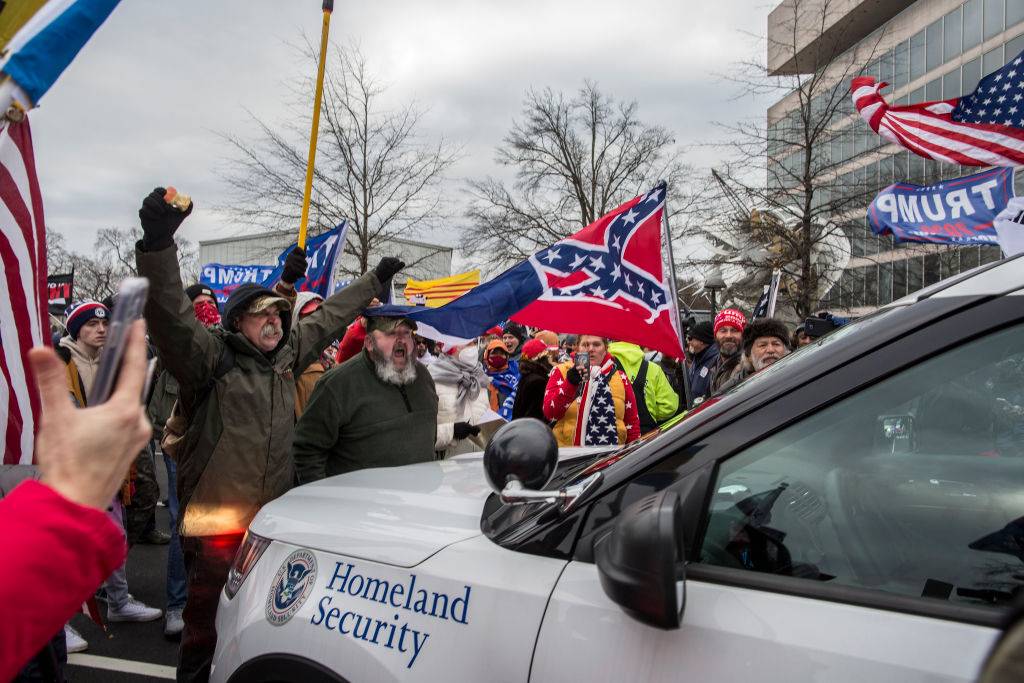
x=142, y=104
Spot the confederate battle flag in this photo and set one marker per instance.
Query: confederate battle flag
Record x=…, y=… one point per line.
x=608, y=279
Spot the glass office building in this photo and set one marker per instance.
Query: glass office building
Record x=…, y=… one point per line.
x=926, y=50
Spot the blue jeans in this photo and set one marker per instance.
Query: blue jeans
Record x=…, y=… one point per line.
x=176, y=581
x=116, y=584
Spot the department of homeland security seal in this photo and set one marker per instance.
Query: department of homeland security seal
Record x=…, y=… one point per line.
x=292, y=584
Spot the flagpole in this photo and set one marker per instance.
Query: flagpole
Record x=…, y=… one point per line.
x=687, y=393
x=328, y=8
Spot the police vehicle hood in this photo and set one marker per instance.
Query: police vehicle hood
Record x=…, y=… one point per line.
x=392, y=515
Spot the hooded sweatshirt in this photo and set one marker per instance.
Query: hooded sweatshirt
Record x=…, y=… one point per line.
x=661, y=400
x=82, y=366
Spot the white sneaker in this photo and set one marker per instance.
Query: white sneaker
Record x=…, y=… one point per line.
x=133, y=610
x=173, y=624
x=73, y=640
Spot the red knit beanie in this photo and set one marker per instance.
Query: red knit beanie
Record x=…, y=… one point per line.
x=730, y=317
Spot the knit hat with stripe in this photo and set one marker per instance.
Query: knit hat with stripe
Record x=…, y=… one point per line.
x=80, y=313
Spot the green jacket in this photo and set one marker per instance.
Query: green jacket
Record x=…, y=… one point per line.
x=355, y=420
x=662, y=401
x=236, y=454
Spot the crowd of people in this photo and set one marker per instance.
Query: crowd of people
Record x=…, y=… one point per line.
x=276, y=388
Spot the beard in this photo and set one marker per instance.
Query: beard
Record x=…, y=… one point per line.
x=763, y=362
x=386, y=369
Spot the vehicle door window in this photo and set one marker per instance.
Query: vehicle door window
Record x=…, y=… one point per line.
x=913, y=486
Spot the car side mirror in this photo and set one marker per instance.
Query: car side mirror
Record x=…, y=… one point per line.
x=523, y=451
x=641, y=562
x=520, y=460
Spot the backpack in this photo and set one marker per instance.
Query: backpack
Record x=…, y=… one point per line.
x=178, y=422
x=647, y=422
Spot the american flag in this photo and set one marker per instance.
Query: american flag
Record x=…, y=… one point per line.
x=23, y=318
x=598, y=425
x=984, y=128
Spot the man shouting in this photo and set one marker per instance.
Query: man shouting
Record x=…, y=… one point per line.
x=237, y=397
x=377, y=409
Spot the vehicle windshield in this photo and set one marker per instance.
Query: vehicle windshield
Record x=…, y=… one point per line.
x=504, y=523
x=811, y=353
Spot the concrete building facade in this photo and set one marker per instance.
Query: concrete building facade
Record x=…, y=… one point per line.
x=927, y=50
x=425, y=261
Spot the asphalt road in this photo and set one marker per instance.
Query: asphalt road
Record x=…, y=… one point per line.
x=132, y=647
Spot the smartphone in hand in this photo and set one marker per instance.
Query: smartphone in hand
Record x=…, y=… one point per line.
x=131, y=298
x=582, y=362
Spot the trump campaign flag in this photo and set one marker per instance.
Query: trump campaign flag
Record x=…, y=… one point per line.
x=958, y=211
x=608, y=279
x=44, y=42
x=984, y=128
x=321, y=255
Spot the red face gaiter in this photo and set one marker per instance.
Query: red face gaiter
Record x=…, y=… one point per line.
x=206, y=313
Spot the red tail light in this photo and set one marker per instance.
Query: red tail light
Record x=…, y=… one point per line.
x=246, y=558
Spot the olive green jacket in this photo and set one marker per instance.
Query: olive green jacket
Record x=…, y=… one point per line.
x=355, y=420
x=236, y=454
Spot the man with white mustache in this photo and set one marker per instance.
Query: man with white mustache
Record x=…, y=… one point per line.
x=377, y=409
x=237, y=395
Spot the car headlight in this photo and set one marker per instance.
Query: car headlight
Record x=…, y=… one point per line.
x=245, y=559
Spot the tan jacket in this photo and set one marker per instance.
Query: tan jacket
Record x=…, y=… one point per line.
x=304, y=386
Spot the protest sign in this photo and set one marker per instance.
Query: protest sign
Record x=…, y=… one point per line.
x=59, y=291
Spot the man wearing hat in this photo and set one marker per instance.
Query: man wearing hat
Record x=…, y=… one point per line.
x=702, y=357
x=765, y=342
x=512, y=336
x=86, y=324
x=728, y=329
x=378, y=409
x=237, y=402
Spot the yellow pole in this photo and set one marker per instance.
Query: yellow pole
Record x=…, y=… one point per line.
x=308, y=191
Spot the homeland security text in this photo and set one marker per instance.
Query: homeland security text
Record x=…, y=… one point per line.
x=393, y=634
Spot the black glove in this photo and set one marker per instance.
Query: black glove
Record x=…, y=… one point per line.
x=294, y=266
x=159, y=221
x=387, y=268
x=464, y=429
x=574, y=376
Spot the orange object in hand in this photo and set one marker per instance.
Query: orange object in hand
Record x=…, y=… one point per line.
x=179, y=201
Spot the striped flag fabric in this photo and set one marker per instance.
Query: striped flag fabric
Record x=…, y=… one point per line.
x=39, y=41
x=23, y=319
x=984, y=128
x=45, y=44
x=436, y=293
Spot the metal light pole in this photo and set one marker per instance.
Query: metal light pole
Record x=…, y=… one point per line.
x=714, y=284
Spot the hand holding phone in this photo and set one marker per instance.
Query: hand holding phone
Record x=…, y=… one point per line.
x=131, y=298
x=582, y=362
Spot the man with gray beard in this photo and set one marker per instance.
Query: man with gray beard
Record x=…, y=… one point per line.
x=377, y=409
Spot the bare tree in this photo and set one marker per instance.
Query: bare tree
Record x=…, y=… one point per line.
x=575, y=158
x=782, y=199
x=372, y=166
x=98, y=276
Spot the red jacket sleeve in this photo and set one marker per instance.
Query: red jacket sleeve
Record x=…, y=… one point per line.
x=632, y=414
x=558, y=395
x=352, y=343
x=56, y=553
